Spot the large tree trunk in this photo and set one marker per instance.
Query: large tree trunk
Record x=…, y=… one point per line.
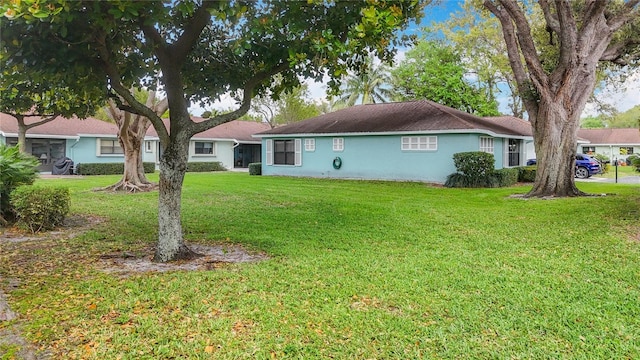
x=173, y=166
x=131, y=138
x=555, y=137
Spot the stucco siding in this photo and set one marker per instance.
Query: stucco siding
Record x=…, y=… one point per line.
x=380, y=157
x=223, y=152
x=85, y=150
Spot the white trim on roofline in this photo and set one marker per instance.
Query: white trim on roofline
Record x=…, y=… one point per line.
x=98, y=135
x=211, y=139
x=615, y=144
x=400, y=133
x=41, y=136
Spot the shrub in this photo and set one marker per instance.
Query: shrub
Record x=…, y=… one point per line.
x=459, y=180
x=205, y=166
x=476, y=164
x=109, y=168
x=16, y=169
x=634, y=160
x=527, y=173
x=255, y=168
x=475, y=169
x=507, y=176
x=40, y=208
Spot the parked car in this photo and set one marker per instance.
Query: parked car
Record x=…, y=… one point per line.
x=585, y=166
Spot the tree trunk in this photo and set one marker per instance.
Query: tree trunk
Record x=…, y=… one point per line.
x=22, y=135
x=173, y=166
x=133, y=179
x=555, y=137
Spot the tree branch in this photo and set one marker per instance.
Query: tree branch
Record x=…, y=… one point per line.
x=552, y=19
x=629, y=11
x=515, y=60
x=245, y=104
x=133, y=106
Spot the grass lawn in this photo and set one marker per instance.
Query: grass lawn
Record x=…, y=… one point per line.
x=623, y=171
x=357, y=270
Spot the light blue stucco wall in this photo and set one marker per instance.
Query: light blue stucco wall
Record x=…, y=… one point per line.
x=85, y=151
x=380, y=157
x=223, y=152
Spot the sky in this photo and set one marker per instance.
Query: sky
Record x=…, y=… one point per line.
x=622, y=99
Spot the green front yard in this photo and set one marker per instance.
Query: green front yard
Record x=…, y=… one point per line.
x=357, y=270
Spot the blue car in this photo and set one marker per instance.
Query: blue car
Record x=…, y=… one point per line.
x=585, y=166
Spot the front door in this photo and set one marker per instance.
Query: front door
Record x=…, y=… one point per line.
x=514, y=152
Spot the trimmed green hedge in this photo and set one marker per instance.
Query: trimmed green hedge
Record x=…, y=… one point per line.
x=109, y=168
x=205, y=166
x=255, y=168
x=507, y=176
x=149, y=167
x=527, y=173
x=40, y=208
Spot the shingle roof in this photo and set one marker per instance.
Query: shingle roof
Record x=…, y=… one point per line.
x=73, y=127
x=611, y=136
x=239, y=130
x=59, y=127
x=412, y=116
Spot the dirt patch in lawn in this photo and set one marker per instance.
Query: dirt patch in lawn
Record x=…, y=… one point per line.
x=212, y=257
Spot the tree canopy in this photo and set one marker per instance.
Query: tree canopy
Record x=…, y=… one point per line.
x=435, y=71
x=200, y=50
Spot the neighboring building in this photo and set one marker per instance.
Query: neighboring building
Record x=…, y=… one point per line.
x=407, y=141
x=94, y=141
x=612, y=143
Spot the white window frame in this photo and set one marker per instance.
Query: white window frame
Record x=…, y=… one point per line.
x=297, y=152
x=338, y=144
x=269, y=151
x=148, y=146
x=114, y=142
x=213, y=147
x=310, y=145
x=419, y=143
x=487, y=144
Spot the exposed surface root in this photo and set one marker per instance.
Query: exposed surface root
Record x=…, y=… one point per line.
x=131, y=187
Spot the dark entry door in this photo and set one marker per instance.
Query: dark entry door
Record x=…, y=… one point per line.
x=514, y=152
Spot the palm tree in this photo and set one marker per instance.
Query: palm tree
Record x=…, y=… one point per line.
x=369, y=86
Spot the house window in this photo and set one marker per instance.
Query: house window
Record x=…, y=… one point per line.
x=284, y=152
x=110, y=147
x=309, y=144
x=419, y=143
x=148, y=147
x=588, y=149
x=203, y=147
x=486, y=144
x=338, y=144
x=626, y=150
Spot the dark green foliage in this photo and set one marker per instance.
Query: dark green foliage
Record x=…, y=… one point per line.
x=255, y=168
x=476, y=169
x=507, y=176
x=527, y=173
x=458, y=180
x=40, y=208
x=474, y=163
x=205, y=166
x=109, y=168
x=634, y=160
x=16, y=169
